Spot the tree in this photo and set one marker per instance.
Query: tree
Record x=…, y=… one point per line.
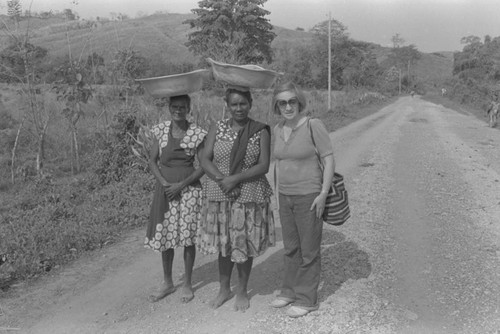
x=298, y=65
x=128, y=65
x=337, y=29
x=14, y=10
x=18, y=59
x=319, y=52
x=469, y=40
x=478, y=61
x=73, y=91
x=19, y=62
x=353, y=63
x=232, y=31
x=68, y=13
x=397, y=41
x=404, y=57
x=96, y=67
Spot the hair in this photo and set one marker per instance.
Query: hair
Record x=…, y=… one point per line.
x=289, y=87
x=246, y=94
x=184, y=97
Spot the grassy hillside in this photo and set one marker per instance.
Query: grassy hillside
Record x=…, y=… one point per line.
x=156, y=36
x=161, y=38
x=431, y=69
x=434, y=67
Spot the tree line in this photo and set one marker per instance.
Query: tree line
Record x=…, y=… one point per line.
x=476, y=71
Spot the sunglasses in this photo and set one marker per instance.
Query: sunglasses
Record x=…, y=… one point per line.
x=292, y=103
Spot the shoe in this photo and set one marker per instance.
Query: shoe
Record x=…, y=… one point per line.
x=280, y=302
x=297, y=312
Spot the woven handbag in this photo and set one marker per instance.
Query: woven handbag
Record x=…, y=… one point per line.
x=337, y=210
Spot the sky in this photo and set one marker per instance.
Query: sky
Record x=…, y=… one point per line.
x=431, y=25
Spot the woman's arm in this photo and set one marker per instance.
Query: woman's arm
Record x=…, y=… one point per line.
x=261, y=168
x=175, y=189
x=154, y=156
x=207, y=154
x=328, y=171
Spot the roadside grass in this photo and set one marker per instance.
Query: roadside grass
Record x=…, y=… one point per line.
x=45, y=223
x=477, y=111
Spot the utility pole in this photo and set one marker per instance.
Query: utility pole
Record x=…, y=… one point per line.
x=329, y=61
x=409, y=61
x=399, y=81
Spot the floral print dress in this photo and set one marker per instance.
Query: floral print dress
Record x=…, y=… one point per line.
x=175, y=223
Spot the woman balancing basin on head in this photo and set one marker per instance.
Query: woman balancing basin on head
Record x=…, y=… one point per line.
x=176, y=207
x=237, y=220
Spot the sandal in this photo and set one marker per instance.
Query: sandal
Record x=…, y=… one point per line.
x=297, y=312
x=280, y=302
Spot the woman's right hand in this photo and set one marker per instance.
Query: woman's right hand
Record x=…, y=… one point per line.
x=227, y=183
x=228, y=186
x=319, y=204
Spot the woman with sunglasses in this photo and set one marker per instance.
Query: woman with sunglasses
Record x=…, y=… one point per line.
x=177, y=200
x=301, y=190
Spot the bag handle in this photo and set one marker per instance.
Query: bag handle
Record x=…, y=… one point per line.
x=314, y=143
x=276, y=190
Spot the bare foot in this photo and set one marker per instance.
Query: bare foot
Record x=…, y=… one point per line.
x=164, y=291
x=223, y=296
x=242, y=302
x=187, y=294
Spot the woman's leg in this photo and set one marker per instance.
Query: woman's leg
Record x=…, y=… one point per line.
x=225, y=270
x=308, y=274
x=242, y=302
x=187, y=289
x=167, y=259
x=291, y=244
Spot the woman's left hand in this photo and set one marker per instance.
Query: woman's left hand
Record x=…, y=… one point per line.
x=227, y=183
x=173, y=191
x=319, y=204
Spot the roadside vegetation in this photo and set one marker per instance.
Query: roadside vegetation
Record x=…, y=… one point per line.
x=74, y=136
x=476, y=73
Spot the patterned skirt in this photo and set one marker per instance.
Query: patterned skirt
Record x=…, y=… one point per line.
x=238, y=230
x=179, y=224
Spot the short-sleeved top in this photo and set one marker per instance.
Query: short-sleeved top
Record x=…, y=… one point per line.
x=256, y=190
x=190, y=142
x=298, y=167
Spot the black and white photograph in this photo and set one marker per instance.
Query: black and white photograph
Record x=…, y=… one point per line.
x=250, y=166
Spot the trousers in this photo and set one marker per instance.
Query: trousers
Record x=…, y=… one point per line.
x=302, y=232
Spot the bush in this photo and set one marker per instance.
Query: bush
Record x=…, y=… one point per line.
x=51, y=223
x=113, y=155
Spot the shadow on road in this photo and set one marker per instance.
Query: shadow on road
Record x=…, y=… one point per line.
x=341, y=260
x=265, y=276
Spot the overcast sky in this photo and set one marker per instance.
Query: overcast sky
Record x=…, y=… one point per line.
x=432, y=25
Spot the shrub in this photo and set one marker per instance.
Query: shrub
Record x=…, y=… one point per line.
x=53, y=223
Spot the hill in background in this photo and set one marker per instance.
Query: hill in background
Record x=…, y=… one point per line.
x=161, y=38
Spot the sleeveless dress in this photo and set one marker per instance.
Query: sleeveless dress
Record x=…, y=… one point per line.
x=175, y=223
x=240, y=228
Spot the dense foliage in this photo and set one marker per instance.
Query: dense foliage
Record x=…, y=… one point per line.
x=353, y=63
x=20, y=59
x=476, y=71
x=233, y=31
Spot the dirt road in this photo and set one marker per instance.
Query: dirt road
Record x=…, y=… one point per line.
x=421, y=253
